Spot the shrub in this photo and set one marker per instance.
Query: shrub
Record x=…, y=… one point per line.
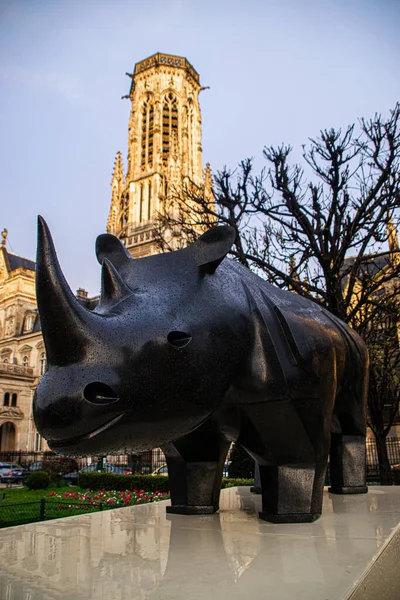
x=39, y=480
x=109, y=481
x=228, y=482
x=242, y=464
x=100, y=480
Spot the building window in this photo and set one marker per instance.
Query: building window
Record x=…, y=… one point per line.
x=149, y=203
x=6, y=400
x=5, y=361
x=43, y=363
x=29, y=321
x=169, y=124
x=38, y=442
x=140, y=203
x=147, y=134
x=25, y=361
x=14, y=400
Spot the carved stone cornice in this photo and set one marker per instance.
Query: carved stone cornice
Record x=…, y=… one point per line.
x=11, y=412
x=16, y=371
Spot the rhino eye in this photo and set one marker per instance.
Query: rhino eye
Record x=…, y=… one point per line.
x=100, y=393
x=179, y=339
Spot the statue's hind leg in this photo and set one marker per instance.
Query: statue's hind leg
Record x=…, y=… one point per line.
x=290, y=441
x=347, y=451
x=347, y=455
x=195, y=465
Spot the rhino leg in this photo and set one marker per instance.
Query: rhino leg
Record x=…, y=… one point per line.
x=347, y=452
x=347, y=464
x=195, y=466
x=292, y=493
x=290, y=441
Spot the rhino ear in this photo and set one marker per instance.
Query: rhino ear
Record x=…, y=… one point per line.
x=212, y=247
x=108, y=246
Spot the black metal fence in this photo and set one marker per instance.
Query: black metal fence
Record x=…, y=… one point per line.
x=43, y=510
x=145, y=463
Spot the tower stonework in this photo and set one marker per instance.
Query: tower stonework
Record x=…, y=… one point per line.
x=164, y=148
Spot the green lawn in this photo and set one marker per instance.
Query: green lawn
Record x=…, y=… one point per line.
x=16, y=495
x=20, y=505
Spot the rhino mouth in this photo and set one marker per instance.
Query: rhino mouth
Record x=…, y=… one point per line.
x=85, y=436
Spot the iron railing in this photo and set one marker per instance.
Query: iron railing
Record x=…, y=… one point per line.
x=145, y=463
x=44, y=510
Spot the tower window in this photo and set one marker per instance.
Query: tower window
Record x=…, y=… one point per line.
x=149, y=203
x=169, y=124
x=14, y=400
x=141, y=203
x=6, y=400
x=147, y=134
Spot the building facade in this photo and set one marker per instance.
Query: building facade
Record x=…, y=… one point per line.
x=164, y=151
x=22, y=352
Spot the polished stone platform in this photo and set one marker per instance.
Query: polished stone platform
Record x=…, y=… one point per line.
x=142, y=553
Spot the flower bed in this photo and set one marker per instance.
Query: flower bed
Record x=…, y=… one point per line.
x=109, y=498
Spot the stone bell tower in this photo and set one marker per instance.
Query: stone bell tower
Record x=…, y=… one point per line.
x=164, y=148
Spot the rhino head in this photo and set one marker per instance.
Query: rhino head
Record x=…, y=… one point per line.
x=150, y=363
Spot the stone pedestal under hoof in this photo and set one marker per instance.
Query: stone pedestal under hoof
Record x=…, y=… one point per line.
x=289, y=518
x=191, y=510
x=348, y=489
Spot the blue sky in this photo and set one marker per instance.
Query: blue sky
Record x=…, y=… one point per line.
x=278, y=71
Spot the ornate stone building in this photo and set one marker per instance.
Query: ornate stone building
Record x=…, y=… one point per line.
x=164, y=151
x=22, y=351
x=164, y=148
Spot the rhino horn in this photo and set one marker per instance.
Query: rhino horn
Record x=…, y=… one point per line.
x=64, y=321
x=112, y=286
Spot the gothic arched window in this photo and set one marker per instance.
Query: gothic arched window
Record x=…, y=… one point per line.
x=6, y=399
x=43, y=363
x=147, y=134
x=169, y=124
x=14, y=400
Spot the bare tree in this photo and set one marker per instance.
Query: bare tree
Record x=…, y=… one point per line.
x=324, y=236
x=300, y=233
x=382, y=337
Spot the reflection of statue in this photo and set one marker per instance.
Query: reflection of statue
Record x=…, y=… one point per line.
x=189, y=352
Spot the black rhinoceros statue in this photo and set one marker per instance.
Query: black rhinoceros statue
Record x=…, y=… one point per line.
x=190, y=351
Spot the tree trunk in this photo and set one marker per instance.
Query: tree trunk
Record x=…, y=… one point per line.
x=385, y=472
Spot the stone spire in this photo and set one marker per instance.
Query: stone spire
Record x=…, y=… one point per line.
x=208, y=184
x=117, y=186
x=118, y=172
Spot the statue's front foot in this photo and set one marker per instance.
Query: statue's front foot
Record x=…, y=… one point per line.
x=191, y=510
